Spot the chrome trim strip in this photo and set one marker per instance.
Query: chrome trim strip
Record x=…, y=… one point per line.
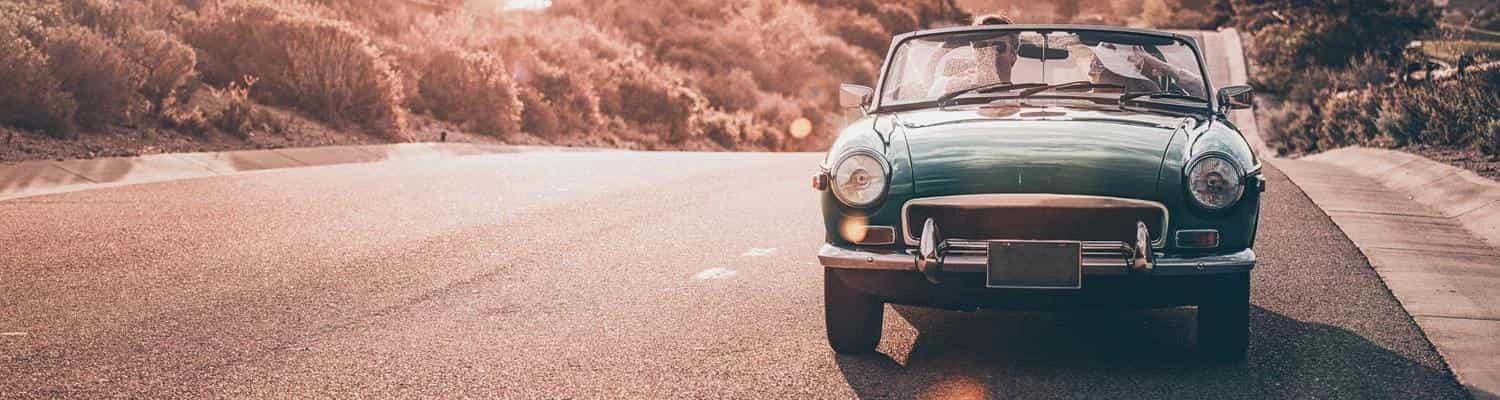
x=1017, y=199
x=1240, y=261
x=837, y=257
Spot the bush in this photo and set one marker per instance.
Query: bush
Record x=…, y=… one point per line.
x=1348, y=117
x=558, y=103
x=104, y=83
x=30, y=97
x=235, y=113
x=1458, y=113
x=1490, y=137
x=1295, y=129
x=652, y=104
x=326, y=67
x=166, y=64
x=732, y=91
x=473, y=89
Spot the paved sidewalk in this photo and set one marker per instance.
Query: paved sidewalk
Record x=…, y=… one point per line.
x=33, y=178
x=1444, y=274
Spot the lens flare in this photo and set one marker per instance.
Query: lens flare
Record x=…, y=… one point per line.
x=853, y=228
x=800, y=128
x=956, y=388
x=527, y=4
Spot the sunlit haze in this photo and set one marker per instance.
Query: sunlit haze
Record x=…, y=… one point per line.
x=527, y=4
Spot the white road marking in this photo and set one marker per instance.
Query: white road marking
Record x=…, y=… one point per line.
x=13, y=333
x=715, y=273
x=759, y=252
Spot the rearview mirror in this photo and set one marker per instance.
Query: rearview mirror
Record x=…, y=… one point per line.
x=1236, y=97
x=1032, y=51
x=854, y=96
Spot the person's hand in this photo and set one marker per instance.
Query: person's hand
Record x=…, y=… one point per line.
x=1143, y=62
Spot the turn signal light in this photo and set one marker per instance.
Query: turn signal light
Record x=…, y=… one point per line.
x=820, y=181
x=875, y=235
x=1198, y=239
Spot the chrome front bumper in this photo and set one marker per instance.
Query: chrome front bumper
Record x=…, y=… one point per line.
x=837, y=257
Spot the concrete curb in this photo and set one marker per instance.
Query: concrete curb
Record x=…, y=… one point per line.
x=1431, y=231
x=32, y=178
x=1452, y=192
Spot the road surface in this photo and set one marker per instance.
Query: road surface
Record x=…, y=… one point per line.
x=602, y=275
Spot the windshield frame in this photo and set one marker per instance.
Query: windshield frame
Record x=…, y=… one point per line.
x=878, y=102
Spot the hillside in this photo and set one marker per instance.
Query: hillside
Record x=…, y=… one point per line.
x=84, y=78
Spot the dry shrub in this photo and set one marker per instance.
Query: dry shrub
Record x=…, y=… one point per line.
x=560, y=69
x=103, y=81
x=326, y=67
x=732, y=131
x=571, y=69
x=649, y=102
x=558, y=103
x=166, y=64
x=190, y=120
x=1490, y=140
x=1458, y=113
x=897, y=19
x=1348, y=117
x=470, y=88
x=731, y=91
x=1396, y=123
x=236, y=113
x=1156, y=12
x=863, y=31
x=229, y=110
x=30, y=97
x=1296, y=129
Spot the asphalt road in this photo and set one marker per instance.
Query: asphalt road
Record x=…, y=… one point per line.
x=602, y=275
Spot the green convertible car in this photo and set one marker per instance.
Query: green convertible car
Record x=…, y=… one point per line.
x=1041, y=167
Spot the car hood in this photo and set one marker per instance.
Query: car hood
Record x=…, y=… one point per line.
x=1037, y=150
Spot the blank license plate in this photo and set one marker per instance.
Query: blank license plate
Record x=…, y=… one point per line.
x=1035, y=265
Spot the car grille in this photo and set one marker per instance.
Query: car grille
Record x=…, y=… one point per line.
x=1097, y=257
x=1035, y=217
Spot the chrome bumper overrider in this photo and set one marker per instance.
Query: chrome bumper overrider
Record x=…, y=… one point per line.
x=975, y=261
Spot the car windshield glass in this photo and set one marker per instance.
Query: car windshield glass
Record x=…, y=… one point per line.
x=924, y=68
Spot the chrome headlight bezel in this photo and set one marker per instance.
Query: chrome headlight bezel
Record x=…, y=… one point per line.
x=835, y=185
x=1238, y=180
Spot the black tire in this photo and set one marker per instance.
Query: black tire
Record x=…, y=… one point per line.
x=854, y=319
x=1224, y=320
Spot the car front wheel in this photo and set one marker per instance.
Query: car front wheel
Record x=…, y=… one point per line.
x=1224, y=320
x=854, y=319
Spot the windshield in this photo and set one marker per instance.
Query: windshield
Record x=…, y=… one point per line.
x=925, y=68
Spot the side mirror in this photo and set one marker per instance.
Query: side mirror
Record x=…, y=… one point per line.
x=854, y=96
x=1236, y=97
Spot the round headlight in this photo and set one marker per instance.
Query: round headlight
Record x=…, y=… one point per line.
x=859, y=179
x=1215, y=182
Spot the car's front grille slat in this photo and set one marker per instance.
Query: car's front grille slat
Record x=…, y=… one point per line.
x=1035, y=217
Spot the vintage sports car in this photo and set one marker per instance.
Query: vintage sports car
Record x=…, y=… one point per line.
x=1041, y=167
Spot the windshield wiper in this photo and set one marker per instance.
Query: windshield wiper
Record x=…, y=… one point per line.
x=1160, y=94
x=993, y=87
x=1069, y=85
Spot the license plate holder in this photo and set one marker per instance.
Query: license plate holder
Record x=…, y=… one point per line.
x=1034, y=264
